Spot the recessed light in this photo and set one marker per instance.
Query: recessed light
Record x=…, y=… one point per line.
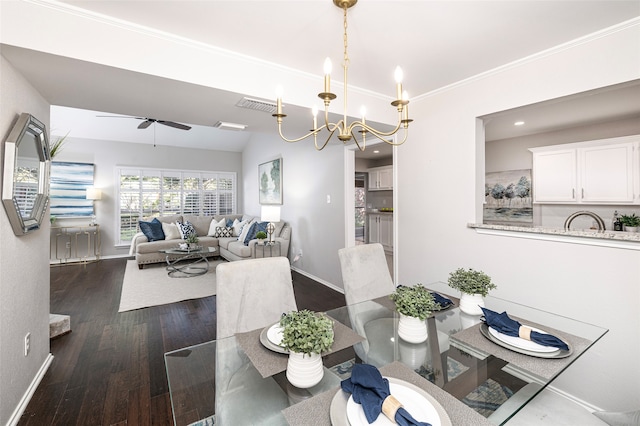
x=518, y=123
x=376, y=152
x=229, y=126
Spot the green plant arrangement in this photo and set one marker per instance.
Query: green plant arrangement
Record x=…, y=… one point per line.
x=57, y=146
x=306, y=332
x=414, y=301
x=192, y=239
x=261, y=235
x=630, y=220
x=471, y=281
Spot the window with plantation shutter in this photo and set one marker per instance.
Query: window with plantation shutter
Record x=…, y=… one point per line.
x=148, y=193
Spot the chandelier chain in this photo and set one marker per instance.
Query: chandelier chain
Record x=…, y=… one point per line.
x=346, y=55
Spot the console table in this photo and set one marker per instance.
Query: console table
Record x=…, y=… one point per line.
x=80, y=243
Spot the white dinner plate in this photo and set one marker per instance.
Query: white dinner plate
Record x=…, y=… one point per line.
x=266, y=341
x=414, y=402
x=523, y=343
x=274, y=334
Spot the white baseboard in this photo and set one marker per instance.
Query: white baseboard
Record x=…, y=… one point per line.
x=320, y=280
x=584, y=404
x=24, y=401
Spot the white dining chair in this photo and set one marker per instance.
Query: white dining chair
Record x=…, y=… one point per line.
x=250, y=294
x=366, y=276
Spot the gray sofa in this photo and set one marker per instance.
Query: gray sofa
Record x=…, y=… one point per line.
x=146, y=252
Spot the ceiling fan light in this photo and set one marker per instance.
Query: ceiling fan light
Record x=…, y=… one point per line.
x=225, y=125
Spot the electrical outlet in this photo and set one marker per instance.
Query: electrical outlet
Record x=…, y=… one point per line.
x=300, y=252
x=27, y=344
x=67, y=245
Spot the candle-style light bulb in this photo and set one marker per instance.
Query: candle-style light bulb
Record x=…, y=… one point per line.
x=363, y=113
x=327, y=75
x=398, y=75
x=279, y=91
x=314, y=112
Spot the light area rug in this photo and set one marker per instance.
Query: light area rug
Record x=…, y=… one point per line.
x=151, y=286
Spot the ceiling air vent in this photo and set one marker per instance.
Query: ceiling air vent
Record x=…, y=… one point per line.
x=257, y=104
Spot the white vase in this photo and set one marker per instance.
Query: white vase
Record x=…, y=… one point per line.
x=413, y=355
x=470, y=303
x=304, y=371
x=412, y=329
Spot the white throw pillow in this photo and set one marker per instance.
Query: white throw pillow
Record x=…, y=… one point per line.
x=214, y=225
x=237, y=227
x=171, y=231
x=245, y=230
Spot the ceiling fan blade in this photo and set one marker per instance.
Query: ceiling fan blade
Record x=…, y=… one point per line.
x=145, y=124
x=174, y=124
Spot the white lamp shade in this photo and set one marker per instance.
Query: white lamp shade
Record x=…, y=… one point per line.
x=94, y=194
x=270, y=214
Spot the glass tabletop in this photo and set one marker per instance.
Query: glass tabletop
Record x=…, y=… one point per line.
x=485, y=376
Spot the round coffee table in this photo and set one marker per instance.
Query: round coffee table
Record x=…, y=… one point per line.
x=189, y=263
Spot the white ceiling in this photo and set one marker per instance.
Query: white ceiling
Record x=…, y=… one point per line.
x=437, y=43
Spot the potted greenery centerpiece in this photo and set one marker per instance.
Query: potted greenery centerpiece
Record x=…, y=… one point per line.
x=261, y=236
x=474, y=286
x=630, y=222
x=192, y=241
x=305, y=334
x=414, y=304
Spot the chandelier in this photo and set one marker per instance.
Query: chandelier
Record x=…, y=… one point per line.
x=346, y=130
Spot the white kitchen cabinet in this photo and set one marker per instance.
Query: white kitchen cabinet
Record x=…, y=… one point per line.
x=381, y=230
x=380, y=178
x=595, y=172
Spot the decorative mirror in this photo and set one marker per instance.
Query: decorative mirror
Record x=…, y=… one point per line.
x=25, y=186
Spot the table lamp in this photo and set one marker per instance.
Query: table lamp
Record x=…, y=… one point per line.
x=270, y=214
x=93, y=194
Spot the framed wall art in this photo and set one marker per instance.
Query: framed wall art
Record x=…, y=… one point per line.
x=507, y=197
x=69, y=183
x=270, y=182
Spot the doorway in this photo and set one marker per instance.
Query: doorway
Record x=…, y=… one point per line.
x=360, y=201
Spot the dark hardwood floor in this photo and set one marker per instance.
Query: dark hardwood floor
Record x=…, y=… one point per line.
x=110, y=369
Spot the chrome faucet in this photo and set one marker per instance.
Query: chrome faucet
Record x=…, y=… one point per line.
x=597, y=218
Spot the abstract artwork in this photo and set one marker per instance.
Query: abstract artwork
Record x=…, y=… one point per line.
x=270, y=182
x=507, y=197
x=69, y=183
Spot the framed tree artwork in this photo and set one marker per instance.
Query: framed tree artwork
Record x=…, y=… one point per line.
x=270, y=182
x=508, y=197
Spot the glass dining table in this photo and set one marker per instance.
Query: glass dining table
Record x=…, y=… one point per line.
x=471, y=374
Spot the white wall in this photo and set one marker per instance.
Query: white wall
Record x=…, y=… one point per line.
x=440, y=190
x=107, y=155
x=24, y=274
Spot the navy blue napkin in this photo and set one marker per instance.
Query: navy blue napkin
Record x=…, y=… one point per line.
x=369, y=389
x=506, y=325
x=441, y=300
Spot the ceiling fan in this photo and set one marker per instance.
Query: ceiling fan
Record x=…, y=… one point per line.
x=148, y=121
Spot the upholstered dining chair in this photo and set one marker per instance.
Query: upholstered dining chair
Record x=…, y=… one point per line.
x=366, y=276
x=250, y=294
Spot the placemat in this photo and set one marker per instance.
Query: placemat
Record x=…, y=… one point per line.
x=316, y=410
x=546, y=368
x=269, y=363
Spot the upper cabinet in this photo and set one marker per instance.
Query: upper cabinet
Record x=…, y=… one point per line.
x=380, y=178
x=595, y=172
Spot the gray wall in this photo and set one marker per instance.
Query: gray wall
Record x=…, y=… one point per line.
x=107, y=155
x=440, y=174
x=309, y=176
x=24, y=272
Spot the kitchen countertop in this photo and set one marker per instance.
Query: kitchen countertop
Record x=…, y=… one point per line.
x=584, y=233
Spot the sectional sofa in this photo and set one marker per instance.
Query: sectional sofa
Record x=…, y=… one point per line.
x=212, y=231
